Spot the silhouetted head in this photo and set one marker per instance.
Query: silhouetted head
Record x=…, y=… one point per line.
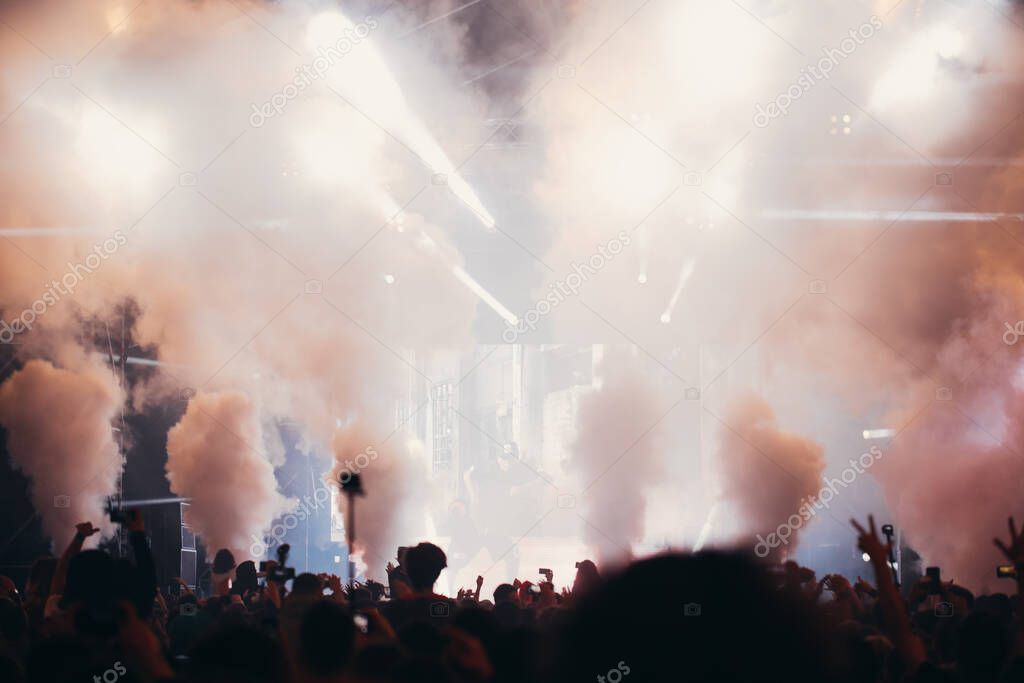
x=705, y=617
x=245, y=578
x=587, y=578
x=424, y=563
x=223, y=561
x=326, y=637
x=307, y=584
x=505, y=592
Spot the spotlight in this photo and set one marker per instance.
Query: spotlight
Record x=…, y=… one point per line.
x=389, y=279
x=666, y=317
x=642, y=278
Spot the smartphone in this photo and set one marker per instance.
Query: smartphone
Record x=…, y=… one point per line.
x=361, y=622
x=546, y=573
x=1006, y=571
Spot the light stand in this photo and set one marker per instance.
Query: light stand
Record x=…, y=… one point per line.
x=351, y=486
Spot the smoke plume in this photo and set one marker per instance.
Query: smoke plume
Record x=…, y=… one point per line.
x=765, y=472
x=392, y=511
x=59, y=433
x=215, y=457
x=618, y=456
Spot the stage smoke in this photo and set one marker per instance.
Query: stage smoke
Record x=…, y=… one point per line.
x=59, y=433
x=765, y=473
x=393, y=510
x=215, y=457
x=618, y=456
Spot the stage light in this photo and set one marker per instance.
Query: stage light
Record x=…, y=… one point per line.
x=363, y=77
x=892, y=216
x=488, y=298
x=389, y=279
x=684, y=276
x=642, y=278
x=878, y=434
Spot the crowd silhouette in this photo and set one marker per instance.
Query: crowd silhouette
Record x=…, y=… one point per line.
x=709, y=616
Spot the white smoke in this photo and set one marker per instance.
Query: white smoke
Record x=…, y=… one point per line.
x=216, y=457
x=59, y=424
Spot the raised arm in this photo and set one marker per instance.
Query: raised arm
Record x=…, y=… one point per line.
x=83, y=530
x=144, y=565
x=894, y=614
x=1014, y=552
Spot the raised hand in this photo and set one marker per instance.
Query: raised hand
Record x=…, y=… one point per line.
x=863, y=586
x=1014, y=552
x=870, y=543
x=85, y=529
x=838, y=584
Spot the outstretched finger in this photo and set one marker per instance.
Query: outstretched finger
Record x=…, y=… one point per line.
x=1013, y=528
x=858, y=527
x=1002, y=546
x=871, y=522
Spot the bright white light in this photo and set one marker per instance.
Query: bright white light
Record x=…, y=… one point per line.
x=112, y=155
x=363, y=77
x=389, y=279
x=488, y=298
x=879, y=433
x=117, y=18
x=642, y=278
x=865, y=557
x=915, y=74
x=328, y=146
x=684, y=276
x=949, y=43
x=328, y=28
